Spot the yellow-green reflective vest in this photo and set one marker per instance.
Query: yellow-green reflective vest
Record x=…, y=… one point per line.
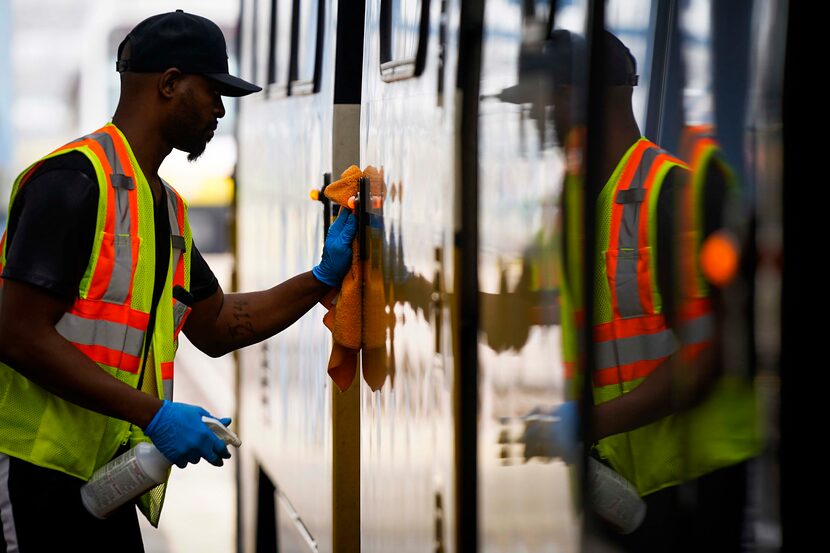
x=631, y=339
x=108, y=320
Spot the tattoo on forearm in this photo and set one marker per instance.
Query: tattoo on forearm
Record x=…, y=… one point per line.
x=242, y=323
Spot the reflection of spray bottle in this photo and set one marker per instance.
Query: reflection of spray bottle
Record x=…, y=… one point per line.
x=134, y=473
x=552, y=433
x=613, y=498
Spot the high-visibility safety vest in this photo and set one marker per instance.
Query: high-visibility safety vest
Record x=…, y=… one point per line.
x=631, y=337
x=108, y=321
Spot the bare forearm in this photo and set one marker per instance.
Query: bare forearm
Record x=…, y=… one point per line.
x=248, y=318
x=57, y=366
x=672, y=387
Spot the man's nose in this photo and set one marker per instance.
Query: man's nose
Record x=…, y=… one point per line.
x=220, y=107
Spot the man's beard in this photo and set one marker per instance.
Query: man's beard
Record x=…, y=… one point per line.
x=194, y=153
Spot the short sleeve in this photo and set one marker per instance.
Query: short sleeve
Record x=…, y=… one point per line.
x=203, y=282
x=52, y=226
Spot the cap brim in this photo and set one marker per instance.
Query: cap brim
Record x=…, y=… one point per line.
x=233, y=86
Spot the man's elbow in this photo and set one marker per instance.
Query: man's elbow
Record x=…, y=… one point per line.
x=210, y=347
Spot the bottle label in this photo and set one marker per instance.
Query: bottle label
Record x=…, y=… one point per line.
x=614, y=498
x=116, y=483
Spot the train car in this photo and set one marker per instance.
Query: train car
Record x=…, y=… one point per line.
x=454, y=112
x=287, y=135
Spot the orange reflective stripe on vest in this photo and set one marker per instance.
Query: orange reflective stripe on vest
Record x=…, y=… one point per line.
x=636, y=340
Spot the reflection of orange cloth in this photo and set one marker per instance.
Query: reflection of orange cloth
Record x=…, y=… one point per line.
x=344, y=317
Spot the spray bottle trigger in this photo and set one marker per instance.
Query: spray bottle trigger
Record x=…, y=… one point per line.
x=222, y=431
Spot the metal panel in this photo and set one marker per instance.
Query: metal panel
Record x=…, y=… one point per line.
x=406, y=421
x=285, y=400
x=525, y=504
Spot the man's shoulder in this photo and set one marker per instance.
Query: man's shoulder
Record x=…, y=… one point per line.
x=70, y=161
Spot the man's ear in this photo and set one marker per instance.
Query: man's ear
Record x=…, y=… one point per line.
x=168, y=82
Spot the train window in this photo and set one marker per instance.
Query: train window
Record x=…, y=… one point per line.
x=695, y=26
x=404, y=27
x=256, y=41
x=308, y=42
x=633, y=22
x=252, y=29
x=279, y=47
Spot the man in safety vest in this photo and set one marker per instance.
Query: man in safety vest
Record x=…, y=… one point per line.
x=664, y=411
x=100, y=273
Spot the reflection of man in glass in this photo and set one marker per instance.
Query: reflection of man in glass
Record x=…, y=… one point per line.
x=664, y=414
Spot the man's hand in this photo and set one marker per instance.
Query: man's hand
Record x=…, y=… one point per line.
x=178, y=432
x=337, y=251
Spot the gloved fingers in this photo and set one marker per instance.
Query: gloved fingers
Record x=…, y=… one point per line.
x=215, y=460
x=226, y=421
x=340, y=221
x=349, y=230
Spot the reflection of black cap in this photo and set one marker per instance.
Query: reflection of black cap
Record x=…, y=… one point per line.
x=562, y=59
x=188, y=42
x=620, y=65
x=567, y=59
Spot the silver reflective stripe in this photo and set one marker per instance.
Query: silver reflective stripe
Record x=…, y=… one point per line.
x=105, y=141
x=627, y=287
x=179, y=310
x=172, y=210
x=95, y=332
x=6, y=513
x=698, y=330
x=167, y=385
x=119, y=285
x=176, y=239
x=646, y=347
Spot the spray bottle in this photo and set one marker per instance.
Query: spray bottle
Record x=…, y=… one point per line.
x=134, y=473
x=613, y=498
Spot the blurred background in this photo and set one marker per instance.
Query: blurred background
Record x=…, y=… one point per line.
x=58, y=82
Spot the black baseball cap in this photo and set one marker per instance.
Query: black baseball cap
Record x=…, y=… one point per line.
x=188, y=42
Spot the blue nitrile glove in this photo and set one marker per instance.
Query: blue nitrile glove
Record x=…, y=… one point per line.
x=178, y=432
x=552, y=432
x=565, y=432
x=337, y=251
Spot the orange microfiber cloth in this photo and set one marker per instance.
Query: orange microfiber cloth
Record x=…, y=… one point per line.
x=344, y=317
x=346, y=305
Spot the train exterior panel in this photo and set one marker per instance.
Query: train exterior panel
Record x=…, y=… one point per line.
x=408, y=134
x=285, y=393
x=397, y=87
x=524, y=504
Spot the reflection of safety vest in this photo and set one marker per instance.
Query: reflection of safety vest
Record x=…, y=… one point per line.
x=108, y=320
x=700, y=150
x=632, y=339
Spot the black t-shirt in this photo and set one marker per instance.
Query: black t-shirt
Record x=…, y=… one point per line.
x=52, y=225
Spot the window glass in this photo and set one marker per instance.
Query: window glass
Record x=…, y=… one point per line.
x=307, y=40
x=279, y=45
x=401, y=31
x=695, y=26
x=631, y=21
